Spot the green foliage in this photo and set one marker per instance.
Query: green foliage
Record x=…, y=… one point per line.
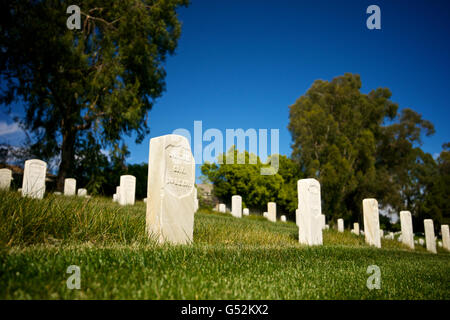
x=255, y=189
x=341, y=138
x=436, y=188
x=96, y=83
x=334, y=128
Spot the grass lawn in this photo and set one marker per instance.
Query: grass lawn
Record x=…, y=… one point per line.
x=248, y=258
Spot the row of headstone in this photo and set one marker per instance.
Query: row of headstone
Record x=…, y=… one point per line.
x=70, y=188
x=125, y=192
x=33, y=184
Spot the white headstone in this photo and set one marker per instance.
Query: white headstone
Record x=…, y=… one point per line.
x=145, y=200
x=323, y=220
x=361, y=232
x=115, y=197
x=381, y=233
x=222, y=207
x=170, y=190
x=82, y=192
x=407, y=236
x=245, y=212
x=371, y=222
x=272, y=211
x=236, y=206
x=310, y=211
x=5, y=178
x=283, y=218
x=421, y=242
x=33, y=184
x=70, y=187
x=429, y=235
x=57, y=193
x=327, y=227
x=265, y=214
x=340, y=225
x=445, y=236
x=440, y=244
x=356, y=228
x=127, y=190
x=117, y=193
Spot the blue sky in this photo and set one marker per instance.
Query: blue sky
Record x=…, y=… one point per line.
x=242, y=63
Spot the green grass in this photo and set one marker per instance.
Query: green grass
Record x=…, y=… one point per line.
x=248, y=258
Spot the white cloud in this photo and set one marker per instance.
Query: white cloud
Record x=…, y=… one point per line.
x=7, y=129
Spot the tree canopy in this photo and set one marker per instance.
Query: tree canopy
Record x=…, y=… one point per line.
x=361, y=146
x=85, y=88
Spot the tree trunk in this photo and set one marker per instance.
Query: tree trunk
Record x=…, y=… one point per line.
x=67, y=158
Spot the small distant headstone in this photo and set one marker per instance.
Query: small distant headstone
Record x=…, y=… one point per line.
x=327, y=227
x=127, y=190
x=82, y=192
x=170, y=190
x=70, y=187
x=361, y=232
x=371, y=222
x=145, y=200
x=245, y=212
x=222, y=207
x=440, y=244
x=429, y=235
x=115, y=197
x=283, y=218
x=272, y=211
x=265, y=215
x=340, y=225
x=310, y=212
x=236, y=206
x=356, y=228
x=33, y=184
x=5, y=178
x=445, y=237
x=421, y=242
x=407, y=236
x=57, y=193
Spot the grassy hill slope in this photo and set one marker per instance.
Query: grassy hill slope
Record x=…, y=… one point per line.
x=248, y=258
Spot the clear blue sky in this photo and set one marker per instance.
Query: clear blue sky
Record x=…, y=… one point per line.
x=242, y=63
